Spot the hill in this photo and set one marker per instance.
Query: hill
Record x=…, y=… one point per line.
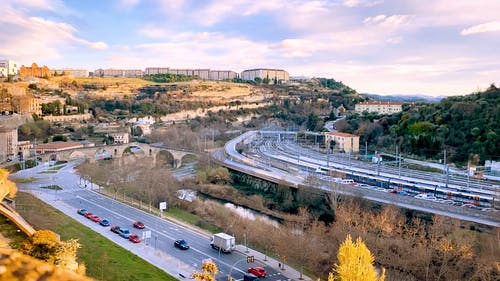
x=404, y=98
x=468, y=127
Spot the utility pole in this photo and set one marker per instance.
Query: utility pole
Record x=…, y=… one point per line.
x=366, y=149
x=445, y=168
x=399, y=164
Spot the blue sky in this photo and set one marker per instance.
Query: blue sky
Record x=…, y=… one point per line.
x=439, y=47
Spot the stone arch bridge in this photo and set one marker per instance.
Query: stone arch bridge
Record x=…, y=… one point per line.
x=118, y=151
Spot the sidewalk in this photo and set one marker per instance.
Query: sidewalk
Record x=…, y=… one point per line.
x=286, y=271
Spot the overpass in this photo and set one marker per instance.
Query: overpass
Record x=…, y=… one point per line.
x=173, y=155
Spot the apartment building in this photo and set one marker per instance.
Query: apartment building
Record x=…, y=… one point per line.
x=205, y=74
x=278, y=75
x=72, y=72
x=8, y=67
x=219, y=75
x=110, y=72
x=343, y=141
x=380, y=107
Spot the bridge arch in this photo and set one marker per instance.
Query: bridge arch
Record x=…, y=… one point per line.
x=164, y=157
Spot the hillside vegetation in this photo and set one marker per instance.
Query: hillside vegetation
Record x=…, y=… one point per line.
x=468, y=127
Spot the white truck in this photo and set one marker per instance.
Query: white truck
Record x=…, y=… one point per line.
x=223, y=242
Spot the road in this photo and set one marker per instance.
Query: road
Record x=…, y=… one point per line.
x=159, y=249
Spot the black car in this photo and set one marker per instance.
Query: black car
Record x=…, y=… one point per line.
x=181, y=244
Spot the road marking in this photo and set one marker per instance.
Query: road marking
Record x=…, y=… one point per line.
x=214, y=256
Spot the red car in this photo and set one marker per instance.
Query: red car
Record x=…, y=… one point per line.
x=138, y=224
x=258, y=271
x=88, y=215
x=95, y=218
x=134, y=238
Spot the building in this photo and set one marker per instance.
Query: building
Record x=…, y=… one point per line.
x=5, y=101
x=205, y=74
x=110, y=72
x=57, y=146
x=120, y=137
x=343, y=141
x=278, y=75
x=72, y=72
x=8, y=143
x=68, y=118
x=27, y=104
x=8, y=67
x=24, y=148
x=34, y=71
x=222, y=75
x=380, y=107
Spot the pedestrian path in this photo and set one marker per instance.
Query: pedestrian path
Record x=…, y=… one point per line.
x=288, y=273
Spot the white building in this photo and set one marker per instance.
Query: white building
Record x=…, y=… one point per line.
x=278, y=75
x=8, y=67
x=380, y=107
x=120, y=138
x=73, y=72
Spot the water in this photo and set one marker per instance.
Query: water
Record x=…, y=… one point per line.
x=251, y=215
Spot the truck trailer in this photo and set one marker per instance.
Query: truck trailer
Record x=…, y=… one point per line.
x=223, y=242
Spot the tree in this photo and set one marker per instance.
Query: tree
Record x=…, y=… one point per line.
x=45, y=245
x=312, y=121
x=208, y=271
x=332, y=144
x=7, y=187
x=355, y=263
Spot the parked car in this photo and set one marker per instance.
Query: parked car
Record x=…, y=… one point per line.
x=123, y=232
x=104, y=222
x=258, y=271
x=134, y=238
x=88, y=215
x=138, y=224
x=181, y=244
x=82, y=211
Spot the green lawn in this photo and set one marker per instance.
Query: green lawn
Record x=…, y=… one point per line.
x=192, y=219
x=104, y=259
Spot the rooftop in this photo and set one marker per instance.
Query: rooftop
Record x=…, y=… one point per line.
x=340, y=134
x=381, y=103
x=59, y=145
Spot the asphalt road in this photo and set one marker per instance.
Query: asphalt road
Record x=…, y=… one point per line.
x=163, y=232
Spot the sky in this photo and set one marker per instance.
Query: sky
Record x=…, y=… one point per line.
x=438, y=47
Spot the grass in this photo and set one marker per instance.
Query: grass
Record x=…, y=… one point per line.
x=25, y=180
x=48, y=172
x=10, y=231
x=187, y=217
x=53, y=187
x=104, y=259
x=56, y=168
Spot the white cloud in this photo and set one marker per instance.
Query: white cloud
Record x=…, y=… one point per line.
x=26, y=37
x=128, y=3
x=98, y=45
x=361, y=3
x=481, y=28
x=393, y=21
